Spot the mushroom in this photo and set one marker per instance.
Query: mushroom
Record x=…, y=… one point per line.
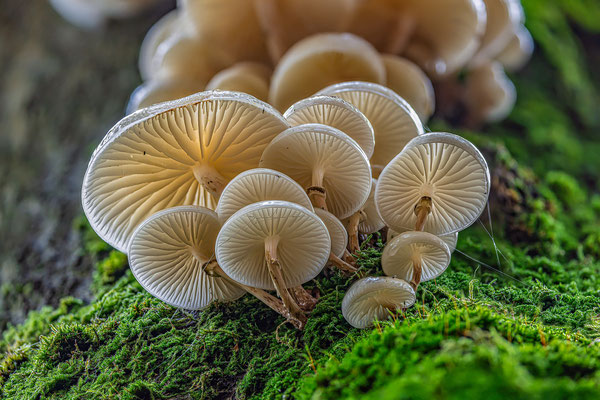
x=92, y=14
x=176, y=153
x=248, y=77
x=439, y=183
x=366, y=220
x=450, y=239
x=335, y=112
x=319, y=61
x=274, y=245
x=339, y=241
x=376, y=298
x=408, y=80
x=157, y=91
x=415, y=257
x=518, y=50
x=393, y=119
x=327, y=163
x=160, y=32
x=171, y=255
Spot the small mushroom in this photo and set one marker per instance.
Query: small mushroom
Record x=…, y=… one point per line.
x=415, y=257
x=160, y=32
x=176, y=153
x=335, y=112
x=393, y=119
x=374, y=299
x=366, y=220
x=327, y=163
x=158, y=91
x=248, y=77
x=339, y=240
x=319, y=61
x=439, y=183
x=274, y=245
x=518, y=51
x=450, y=239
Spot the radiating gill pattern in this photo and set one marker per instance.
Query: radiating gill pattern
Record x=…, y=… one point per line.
x=162, y=258
x=373, y=221
x=456, y=181
x=147, y=167
x=303, y=248
x=337, y=232
x=301, y=151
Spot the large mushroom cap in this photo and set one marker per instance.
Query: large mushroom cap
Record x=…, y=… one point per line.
x=257, y=185
x=316, y=152
x=444, y=167
x=247, y=77
x=167, y=254
x=393, y=119
x=158, y=91
x=406, y=249
x=303, y=244
x=450, y=239
x=321, y=60
x=173, y=154
x=335, y=112
x=337, y=232
x=374, y=298
x=518, y=51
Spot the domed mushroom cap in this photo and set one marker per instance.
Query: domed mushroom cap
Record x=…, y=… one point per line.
x=335, y=112
x=247, y=77
x=158, y=34
x=408, y=80
x=158, y=91
x=171, y=154
x=489, y=94
x=393, y=119
x=373, y=298
x=442, y=166
x=302, y=251
x=450, y=239
x=259, y=184
x=337, y=232
x=320, y=60
x=167, y=255
x=408, y=248
x=518, y=51
x=315, y=152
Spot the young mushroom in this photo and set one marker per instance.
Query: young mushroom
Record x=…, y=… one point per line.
x=366, y=220
x=274, y=245
x=415, y=257
x=248, y=77
x=450, y=239
x=518, y=50
x=158, y=33
x=339, y=241
x=439, y=183
x=327, y=163
x=176, y=153
x=375, y=299
x=158, y=91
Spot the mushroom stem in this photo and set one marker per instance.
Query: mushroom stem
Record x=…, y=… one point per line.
x=210, y=179
x=277, y=277
x=349, y=258
x=342, y=265
x=355, y=219
x=422, y=210
x=271, y=23
x=304, y=299
x=403, y=29
x=317, y=196
x=416, y=278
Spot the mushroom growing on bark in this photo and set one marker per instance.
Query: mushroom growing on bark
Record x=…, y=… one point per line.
x=176, y=153
x=339, y=240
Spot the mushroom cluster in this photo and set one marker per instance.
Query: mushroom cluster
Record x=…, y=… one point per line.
x=291, y=49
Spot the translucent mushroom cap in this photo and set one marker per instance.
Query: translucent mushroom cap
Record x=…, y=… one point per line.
x=314, y=151
x=157, y=34
x=248, y=77
x=337, y=232
x=406, y=249
x=372, y=222
x=451, y=239
x=489, y=94
x=374, y=298
x=394, y=121
x=319, y=61
x=518, y=50
x=158, y=91
x=259, y=184
x=335, y=112
x=152, y=159
x=410, y=82
x=444, y=167
x=167, y=254
x=303, y=244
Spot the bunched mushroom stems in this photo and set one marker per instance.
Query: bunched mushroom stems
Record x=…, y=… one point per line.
x=342, y=265
x=355, y=219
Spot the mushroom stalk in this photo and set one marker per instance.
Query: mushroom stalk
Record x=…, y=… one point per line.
x=304, y=299
x=270, y=19
x=342, y=265
x=316, y=191
x=277, y=278
x=349, y=258
x=403, y=29
x=422, y=210
x=355, y=219
x=416, y=278
x=210, y=179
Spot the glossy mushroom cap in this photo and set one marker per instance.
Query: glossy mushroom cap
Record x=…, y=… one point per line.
x=303, y=244
x=406, y=249
x=319, y=155
x=393, y=119
x=319, y=61
x=489, y=94
x=158, y=91
x=375, y=298
x=335, y=112
x=337, y=232
x=259, y=184
x=450, y=239
x=167, y=255
x=247, y=77
x=518, y=50
x=157, y=35
x=171, y=154
x=444, y=167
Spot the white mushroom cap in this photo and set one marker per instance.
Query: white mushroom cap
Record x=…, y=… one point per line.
x=248, y=77
x=489, y=94
x=302, y=251
x=91, y=14
x=444, y=167
x=158, y=34
x=259, y=184
x=158, y=91
x=393, y=119
x=321, y=60
x=319, y=155
x=408, y=80
x=171, y=154
x=337, y=232
x=406, y=249
x=518, y=51
x=373, y=298
x=373, y=221
x=335, y=112
x=167, y=254
x=450, y=239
